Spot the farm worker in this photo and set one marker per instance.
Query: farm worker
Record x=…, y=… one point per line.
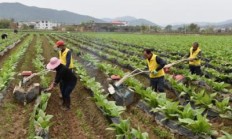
x=64, y=75
x=195, y=59
x=65, y=56
x=155, y=65
x=4, y=36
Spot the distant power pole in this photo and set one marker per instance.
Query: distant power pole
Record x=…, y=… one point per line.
x=185, y=29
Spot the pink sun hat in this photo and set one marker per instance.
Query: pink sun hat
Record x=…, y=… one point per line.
x=54, y=62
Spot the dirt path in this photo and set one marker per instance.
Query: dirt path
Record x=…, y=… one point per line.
x=14, y=117
x=84, y=120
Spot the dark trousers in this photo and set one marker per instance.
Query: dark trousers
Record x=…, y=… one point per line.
x=66, y=90
x=195, y=70
x=157, y=84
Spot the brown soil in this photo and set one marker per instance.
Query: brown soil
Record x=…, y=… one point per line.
x=14, y=117
x=221, y=124
x=48, y=51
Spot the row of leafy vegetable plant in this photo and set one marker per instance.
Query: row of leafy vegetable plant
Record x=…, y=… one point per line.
x=113, y=58
x=217, y=86
x=137, y=50
x=109, y=108
x=224, y=101
x=221, y=106
x=9, y=43
x=7, y=71
x=113, y=55
x=122, y=127
x=201, y=97
x=172, y=110
x=214, y=46
x=109, y=67
x=39, y=120
x=114, y=50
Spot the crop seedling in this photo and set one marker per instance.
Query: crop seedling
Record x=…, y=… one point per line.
x=200, y=125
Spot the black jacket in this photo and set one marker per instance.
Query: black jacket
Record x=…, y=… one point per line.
x=65, y=75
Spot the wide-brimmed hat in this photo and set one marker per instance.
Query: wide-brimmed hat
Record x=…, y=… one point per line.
x=54, y=62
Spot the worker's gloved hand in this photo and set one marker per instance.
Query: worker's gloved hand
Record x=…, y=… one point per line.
x=154, y=72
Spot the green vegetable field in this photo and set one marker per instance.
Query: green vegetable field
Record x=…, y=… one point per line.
x=197, y=107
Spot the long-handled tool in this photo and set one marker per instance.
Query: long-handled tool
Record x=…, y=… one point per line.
x=131, y=74
x=34, y=74
x=125, y=96
x=139, y=71
x=174, y=63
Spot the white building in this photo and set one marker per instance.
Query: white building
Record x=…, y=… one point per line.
x=44, y=24
x=119, y=23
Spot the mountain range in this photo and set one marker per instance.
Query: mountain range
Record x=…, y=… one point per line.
x=20, y=12
x=223, y=24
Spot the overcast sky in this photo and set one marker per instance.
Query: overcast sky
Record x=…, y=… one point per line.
x=162, y=12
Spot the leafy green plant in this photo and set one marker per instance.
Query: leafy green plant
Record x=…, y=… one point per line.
x=170, y=109
x=220, y=86
x=152, y=99
x=200, y=125
x=189, y=112
x=43, y=121
x=203, y=98
x=138, y=134
x=223, y=106
x=124, y=131
x=110, y=108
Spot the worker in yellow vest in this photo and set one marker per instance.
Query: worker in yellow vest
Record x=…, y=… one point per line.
x=194, y=57
x=65, y=56
x=155, y=65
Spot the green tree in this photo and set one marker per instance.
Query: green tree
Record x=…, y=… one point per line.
x=5, y=23
x=194, y=28
x=209, y=29
x=168, y=28
x=144, y=28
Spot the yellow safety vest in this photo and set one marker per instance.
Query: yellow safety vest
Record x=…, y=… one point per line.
x=62, y=57
x=194, y=55
x=152, y=65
